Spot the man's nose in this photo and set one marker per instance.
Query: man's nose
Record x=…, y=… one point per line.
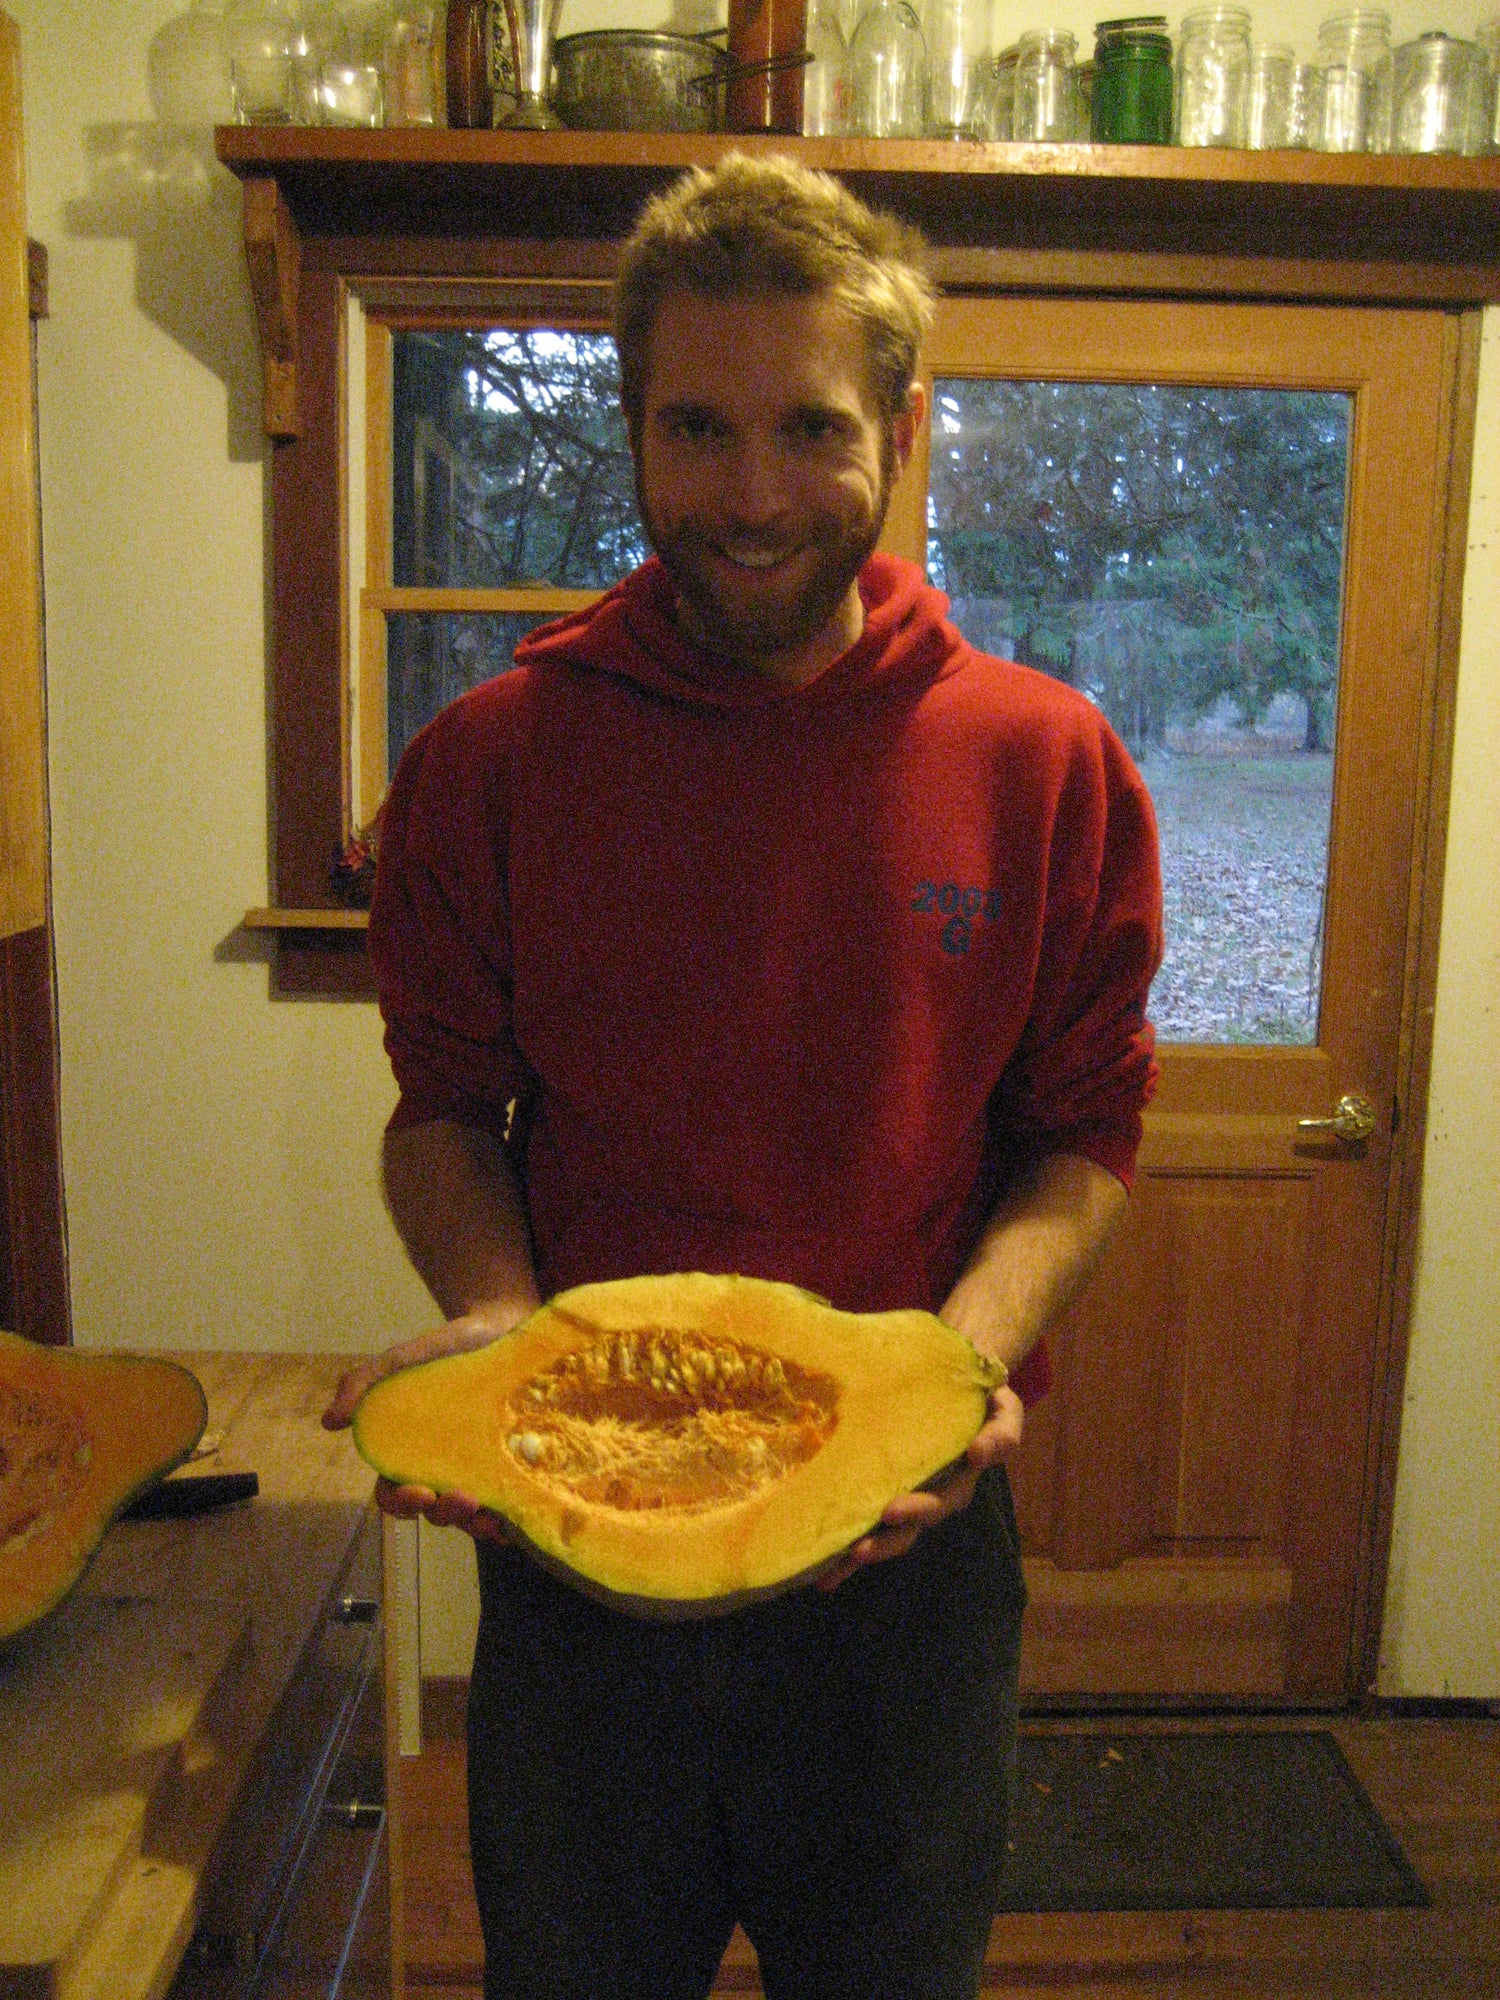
x=756, y=489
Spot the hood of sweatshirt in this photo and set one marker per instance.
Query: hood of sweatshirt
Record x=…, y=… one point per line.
x=632, y=633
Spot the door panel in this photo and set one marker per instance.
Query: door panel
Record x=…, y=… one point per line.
x=1194, y=1499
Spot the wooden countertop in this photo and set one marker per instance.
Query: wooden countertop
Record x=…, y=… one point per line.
x=171, y=1656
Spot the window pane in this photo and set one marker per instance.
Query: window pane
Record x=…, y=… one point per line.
x=512, y=464
x=434, y=657
x=1176, y=553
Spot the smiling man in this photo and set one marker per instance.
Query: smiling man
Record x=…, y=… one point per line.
x=756, y=923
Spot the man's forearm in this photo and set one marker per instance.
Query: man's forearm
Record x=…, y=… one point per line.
x=460, y=1213
x=1037, y=1252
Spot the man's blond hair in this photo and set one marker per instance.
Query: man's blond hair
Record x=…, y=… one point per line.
x=757, y=227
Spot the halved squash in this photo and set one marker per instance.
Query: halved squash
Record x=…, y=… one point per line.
x=685, y=1444
x=81, y=1433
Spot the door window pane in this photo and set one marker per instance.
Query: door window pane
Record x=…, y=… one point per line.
x=1176, y=553
x=511, y=461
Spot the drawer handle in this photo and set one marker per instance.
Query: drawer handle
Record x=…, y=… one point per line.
x=353, y=1813
x=356, y=1611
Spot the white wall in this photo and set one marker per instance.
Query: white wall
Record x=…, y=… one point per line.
x=219, y=1147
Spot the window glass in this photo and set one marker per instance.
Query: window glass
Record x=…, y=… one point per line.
x=511, y=460
x=434, y=657
x=511, y=471
x=1175, y=553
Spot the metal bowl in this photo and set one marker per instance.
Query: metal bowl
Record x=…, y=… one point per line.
x=634, y=80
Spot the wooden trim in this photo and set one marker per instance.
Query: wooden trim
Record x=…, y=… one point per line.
x=23, y=776
x=542, y=599
x=33, y=1220
x=1419, y=1005
x=273, y=251
x=375, y=461
x=264, y=919
x=36, y=278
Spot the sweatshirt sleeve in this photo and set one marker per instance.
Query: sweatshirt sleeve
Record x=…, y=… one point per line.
x=1085, y=1067
x=440, y=925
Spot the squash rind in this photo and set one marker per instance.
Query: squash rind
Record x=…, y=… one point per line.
x=144, y=1415
x=441, y=1424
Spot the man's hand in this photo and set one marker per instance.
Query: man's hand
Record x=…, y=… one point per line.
x=406, y=1503
x=907, y=1517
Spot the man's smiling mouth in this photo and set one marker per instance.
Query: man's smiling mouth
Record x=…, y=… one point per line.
x=757, y=559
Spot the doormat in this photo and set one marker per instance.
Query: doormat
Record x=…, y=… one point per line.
x=1200, y=1820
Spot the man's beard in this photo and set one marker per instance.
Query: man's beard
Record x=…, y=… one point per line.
x=763, y=626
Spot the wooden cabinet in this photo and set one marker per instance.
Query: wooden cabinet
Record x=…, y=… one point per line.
x=244, y=1650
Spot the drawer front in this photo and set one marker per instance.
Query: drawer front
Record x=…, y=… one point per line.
x=323, y=1748
x=332, y=1940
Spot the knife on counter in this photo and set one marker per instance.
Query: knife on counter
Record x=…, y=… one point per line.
x=199, y=1493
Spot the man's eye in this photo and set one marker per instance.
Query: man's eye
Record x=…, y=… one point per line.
x=692, y=426
x=815, y=426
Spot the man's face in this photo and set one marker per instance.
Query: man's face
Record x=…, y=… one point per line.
x=763, y=473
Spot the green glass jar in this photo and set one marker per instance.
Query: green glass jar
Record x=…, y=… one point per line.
x=1132, y=96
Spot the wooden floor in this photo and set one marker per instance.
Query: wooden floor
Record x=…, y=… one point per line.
x=1435, y=1780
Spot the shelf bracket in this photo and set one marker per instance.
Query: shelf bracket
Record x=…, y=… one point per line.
x=273, y=250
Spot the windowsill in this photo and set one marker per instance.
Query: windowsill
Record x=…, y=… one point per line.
x=264, y=919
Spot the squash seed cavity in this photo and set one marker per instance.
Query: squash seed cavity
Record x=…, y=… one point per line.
x=44, y=1458
x=659, y=1420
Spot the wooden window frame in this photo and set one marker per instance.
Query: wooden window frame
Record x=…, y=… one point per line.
x=437, y=226
x=565, y=304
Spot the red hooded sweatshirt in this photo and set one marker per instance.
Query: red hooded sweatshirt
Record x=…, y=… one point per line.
x=781, y=981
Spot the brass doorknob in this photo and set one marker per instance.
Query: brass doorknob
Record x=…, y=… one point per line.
x=1353, y=1120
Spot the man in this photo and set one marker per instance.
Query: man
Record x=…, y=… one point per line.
x=754, y=923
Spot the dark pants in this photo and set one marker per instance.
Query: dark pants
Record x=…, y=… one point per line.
x=832, y=1770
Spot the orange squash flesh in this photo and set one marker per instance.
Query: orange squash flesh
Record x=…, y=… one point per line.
x=686, y=1444
x=81, y=1433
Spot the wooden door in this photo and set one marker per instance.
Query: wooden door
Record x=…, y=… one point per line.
x=1201, y=1496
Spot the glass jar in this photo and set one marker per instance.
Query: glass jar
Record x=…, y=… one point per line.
x=1000, y=122
x=1046, y=98
x=1487, y=110
x=825, y=81
x=1272, y=68
x=957, y=33
x=1354, y=52
x=410, y=64
x=1437, y=79
x=258, y=37
x=1304, y=123
x=888, y=73
x=1213, y=77
x=1132, y=96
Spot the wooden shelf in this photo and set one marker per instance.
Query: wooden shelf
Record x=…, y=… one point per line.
x=1431, y=224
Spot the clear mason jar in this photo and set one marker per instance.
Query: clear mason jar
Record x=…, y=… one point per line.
x=1273, y=65
x=1437, y=79
x=888, y=73
x=1046, y=93
x=1001, y=99
x=1305, y=114
x=957, y=33
x=1354, y=53
x=1213, y=77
